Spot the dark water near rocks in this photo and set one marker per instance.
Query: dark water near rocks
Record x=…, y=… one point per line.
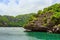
x=17, y=33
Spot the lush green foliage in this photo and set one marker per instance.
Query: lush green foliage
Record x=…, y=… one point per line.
x=24, y=19
x=48, y=17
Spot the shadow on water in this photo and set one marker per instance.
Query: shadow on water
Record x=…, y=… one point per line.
x=43, y=35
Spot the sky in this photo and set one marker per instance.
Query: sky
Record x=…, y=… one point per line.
x=18, y=7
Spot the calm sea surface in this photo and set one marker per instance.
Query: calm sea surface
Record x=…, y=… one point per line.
x=17, y=33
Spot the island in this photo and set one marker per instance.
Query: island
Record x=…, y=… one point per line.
x=46, y=20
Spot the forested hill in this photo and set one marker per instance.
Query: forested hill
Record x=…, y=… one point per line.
x=18, y=21
x=47, y=20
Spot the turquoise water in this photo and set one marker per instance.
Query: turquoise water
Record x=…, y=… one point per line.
x=16, y=33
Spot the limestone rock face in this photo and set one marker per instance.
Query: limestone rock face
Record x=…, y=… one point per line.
x=56, y=29
x=40, y=24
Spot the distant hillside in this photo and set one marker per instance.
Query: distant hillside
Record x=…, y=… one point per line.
x=18, y=21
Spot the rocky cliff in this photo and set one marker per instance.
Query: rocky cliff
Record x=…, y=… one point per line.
x=47, y=21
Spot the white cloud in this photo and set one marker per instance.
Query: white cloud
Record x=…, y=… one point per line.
x=24, y=6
